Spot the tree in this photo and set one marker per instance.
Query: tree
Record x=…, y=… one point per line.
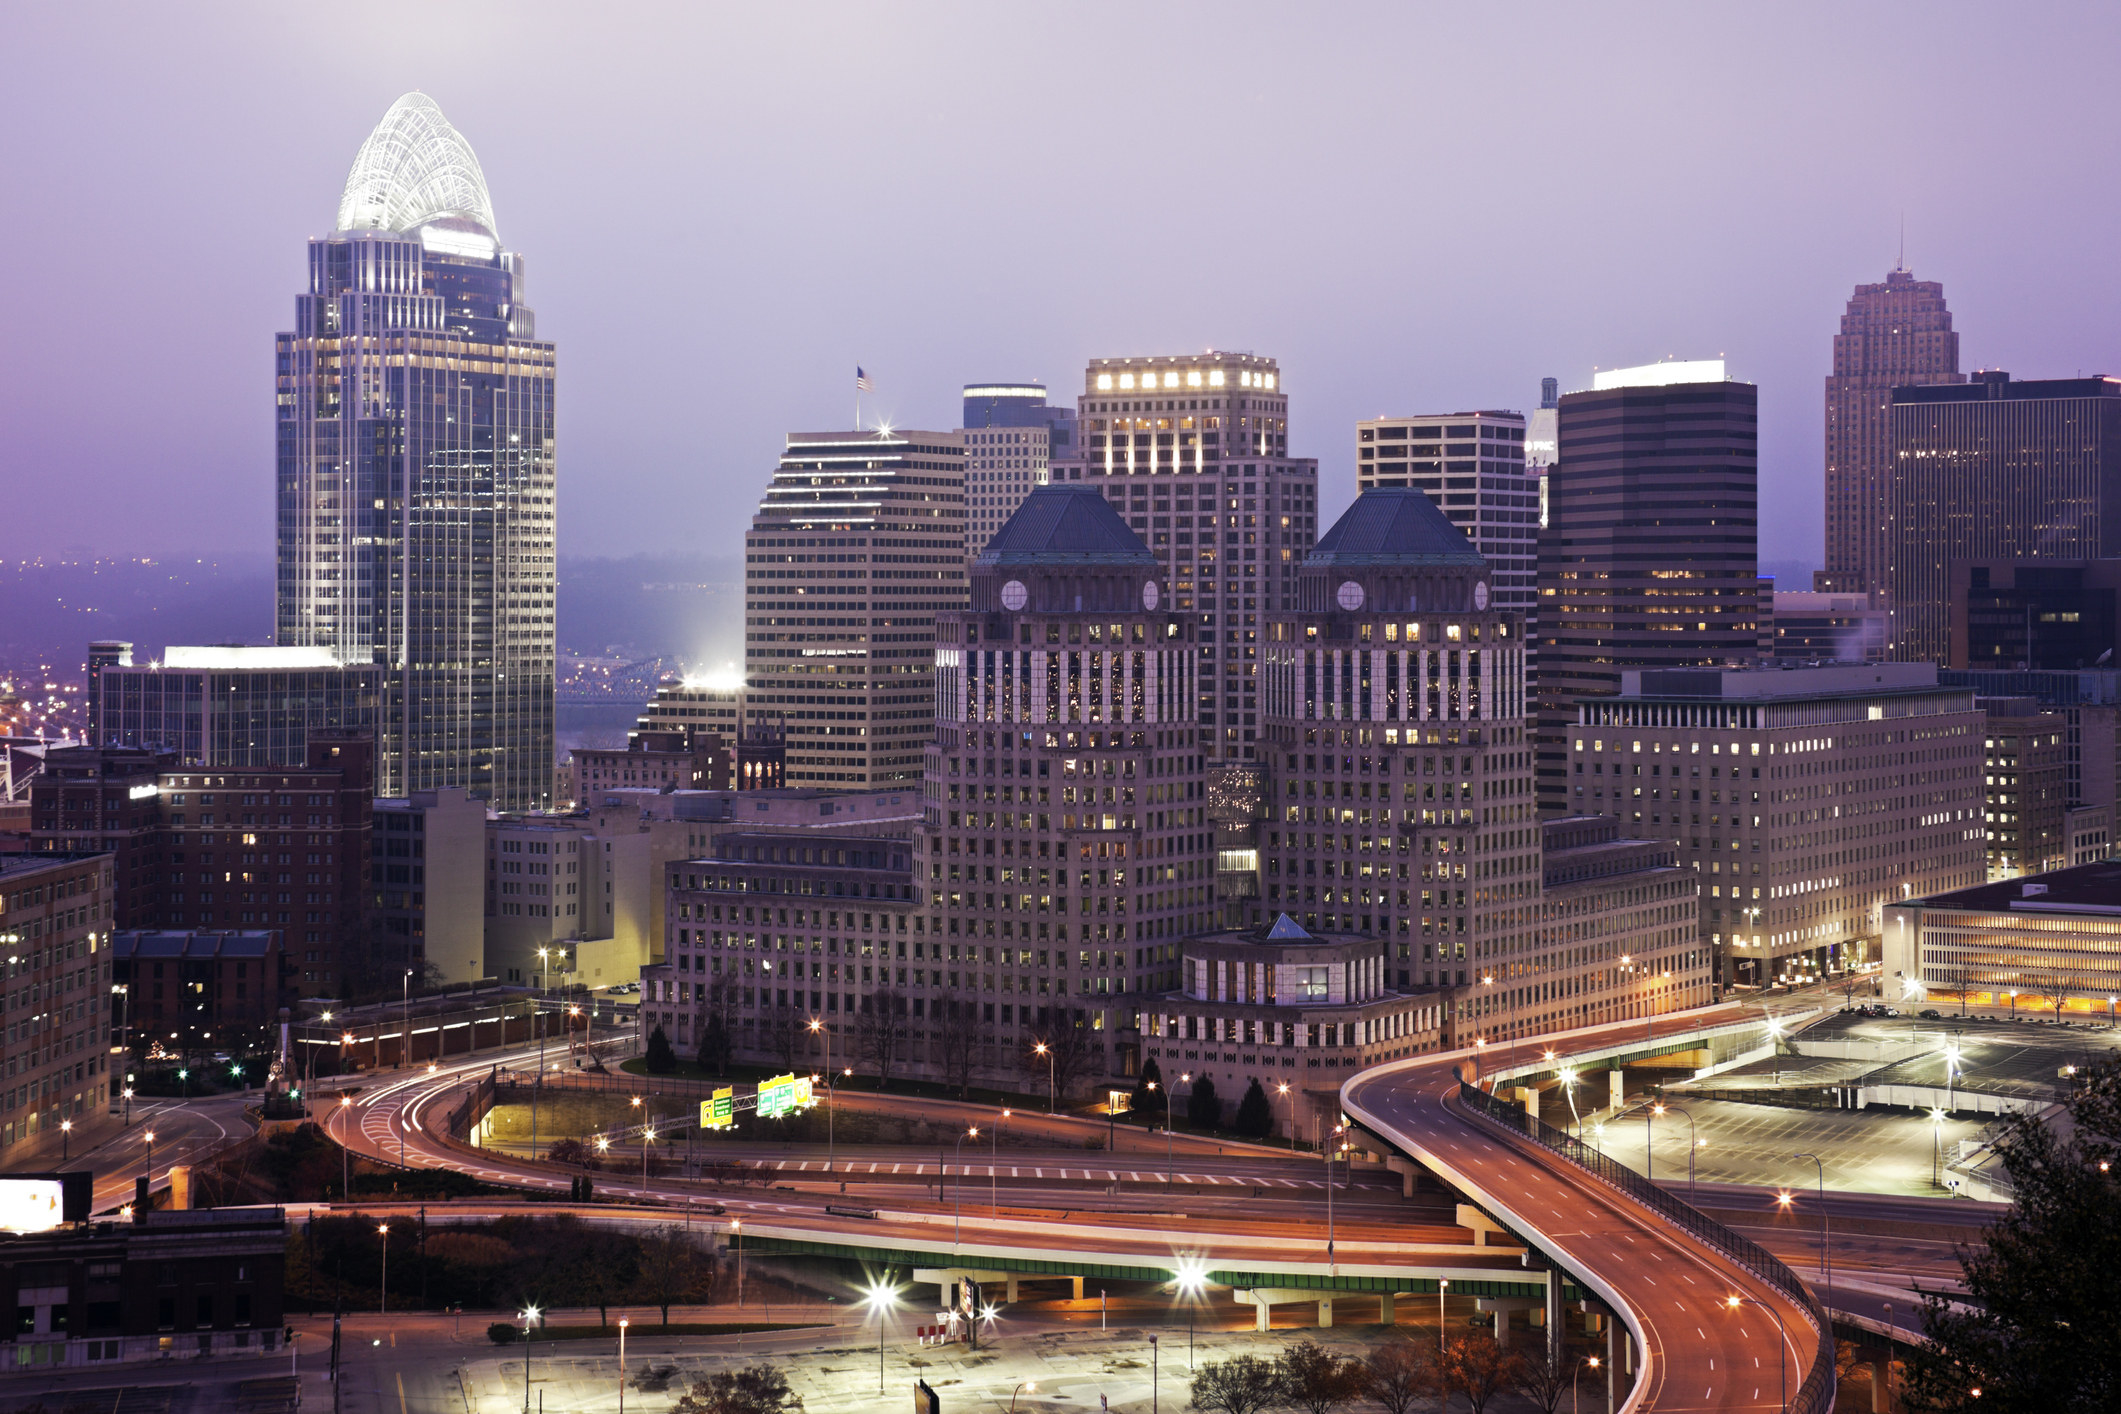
x=1543, y=1377
x=958, y=1041
x=2039, y=1326
x=1403, y=1373
x=2058, y=991
x=1148, y=1095
x=1203, y=1109
x=568, y=1151
x=1255, y=1117
x=662, y=1057
x=881, y=1034
x=1477, y=1367
x=673, y=1271
x=1243, y=1384
x=1071, y=1046
x=1314, y=1378
x=755, y=1389
x=717, y=1040
x=785, y=1031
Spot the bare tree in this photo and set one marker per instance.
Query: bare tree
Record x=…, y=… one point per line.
x=2059, y=990
x=717, y=1036
x=784, y=1032
x=755, y=1389
x=1313, y=1378
x=957, y=1041
x=1543, y=1377
x=1478, y=1367
x=1403, y=1373
x=881, y=1033
x=673, y=1270
x=1243, y=1384
x=1071, y=1050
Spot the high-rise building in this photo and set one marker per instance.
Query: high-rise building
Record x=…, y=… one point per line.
x=1194, y=449
x=1990, y=470
x=1893, y=335
x=229, y=706
x=1012, y=437
x=429, y=872
x=2025, y=770
x=1474, y=466
x=1649, y=558
x=415, y=451
x=1804, y=800
x=858, y=544
x=1542, y=438
x=56, y=912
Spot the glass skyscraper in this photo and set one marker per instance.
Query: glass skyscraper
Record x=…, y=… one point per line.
x=415, y=457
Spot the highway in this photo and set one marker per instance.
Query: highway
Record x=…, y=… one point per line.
x=1671, y=1289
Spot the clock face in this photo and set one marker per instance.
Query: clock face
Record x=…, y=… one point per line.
x=1349, y=595
x=1150, y=595
x=1014, y=596
x=1480, y=595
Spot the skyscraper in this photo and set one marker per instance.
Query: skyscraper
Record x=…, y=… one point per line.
x=1649, y=558
x=415, y=455
x=1012, y=436
x=1996, y=470
x=1894, y=335
x=1195, y=450
x=858, y=543
x=1474, y=467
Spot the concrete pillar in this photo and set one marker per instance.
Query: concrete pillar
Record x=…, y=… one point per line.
x=1557, y=1321
x=1262, y=1316
x=1619, y=1095
x=1502, y=1329
x=1881, y=1384
x=1528, y=1096
x=1077, y=1283
x=1385, y=1316
x=1012, y=1288
x=1616, y=1342
x=1325, y=1313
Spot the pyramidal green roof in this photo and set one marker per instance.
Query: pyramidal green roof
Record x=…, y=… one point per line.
x=1065, y=525
x=1394, y=525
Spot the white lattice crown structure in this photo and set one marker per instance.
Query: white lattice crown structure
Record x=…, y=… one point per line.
x=412, y=169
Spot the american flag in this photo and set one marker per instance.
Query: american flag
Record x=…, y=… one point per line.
x=861, y=380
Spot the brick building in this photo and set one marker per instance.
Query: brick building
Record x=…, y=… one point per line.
x=55, y=928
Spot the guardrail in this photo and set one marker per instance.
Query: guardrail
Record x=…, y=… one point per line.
x=1816, y=1394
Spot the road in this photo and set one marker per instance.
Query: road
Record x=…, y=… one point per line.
x=185, y=1132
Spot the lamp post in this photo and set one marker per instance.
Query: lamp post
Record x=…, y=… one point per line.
x=994, y=1169
x=1826, y=1230
x=1782, y=1351
x=1443, y=1284
x=1335, y=1144
x=880, y=1300
x=1936, y=1143
x=1052, y=1083
x=530, y=1321
x=1568, y=1088
x=1192, y=1280
x=1590, y=1360
x=647, y=1138
x=1023, y=1385
x=957, y=1190
x=405, y=1023
x=817, y=1025
x=66, y=1141
x=345, y=1151
x=150, y=1137
x=736, y=1240
x=1480, y=1051
x=383, y=1288
x=1691, y=1143
x=125, y=1032
x=1155, y=1370
x=1283, y=1087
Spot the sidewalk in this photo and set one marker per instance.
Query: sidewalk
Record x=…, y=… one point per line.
x=93, y=1129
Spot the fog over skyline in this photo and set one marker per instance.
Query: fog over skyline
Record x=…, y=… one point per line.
x=724, y=209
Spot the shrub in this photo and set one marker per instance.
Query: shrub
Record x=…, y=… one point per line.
x=502, y=1333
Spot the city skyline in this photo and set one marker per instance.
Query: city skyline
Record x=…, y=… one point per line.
x=1367, y=324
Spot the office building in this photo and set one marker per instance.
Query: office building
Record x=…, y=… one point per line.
x=200, y=989
x=689, y=703
x=2026, y=779
x=1996, y=470
x=1803, y=799
x=1620, y=928
x=2038, y=615
x=192, y=1285
x=1542, y=438
x=428, y=897
x=225, y=705
x=415, y=452
x=857, y=545
x=56, y=920
x=2050, y=942
x=1194, y=450
x=1649, y=557
x=1818, y=626
x=2089, y=703
x=280, y=848
x=1897, y=334
x=1012, y=437
x=106, y=800
x=1474, y=465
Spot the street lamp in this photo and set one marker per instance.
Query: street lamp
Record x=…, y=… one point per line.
x=1155, y=1373
x=957, y=1190
x=1192, y=1277
x=1936, y=1143
x=1052, y=1083
x=383, y=1290
x=817, y=1025
x=1826, y=1231
x=994, y=1168
x=880, y=1300
x=1568, y=1088
x=1283, y=1087
x=736, y=1240
x=1336, y=1143
x=66, y=1140
x=405, y=1024
x=1590, y=1360
x=623, y=1323
x=1480, y=1051
x=345, y=1151
x=1691, y=1143
x=530, y=1321
x=1781, y=1350
x=1443, y=1284
x=1031, y=1385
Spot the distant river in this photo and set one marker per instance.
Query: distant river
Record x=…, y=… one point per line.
x=604, y=724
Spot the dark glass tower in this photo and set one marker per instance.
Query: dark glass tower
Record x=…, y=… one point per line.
x=415, y=462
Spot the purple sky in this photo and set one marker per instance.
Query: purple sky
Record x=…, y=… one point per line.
x=725, y=208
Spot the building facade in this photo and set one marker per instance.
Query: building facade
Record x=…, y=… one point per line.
x=2039, y=616
x=1816, y=626
x=2026, y=778
x=107, y=800
x=1897, y=334
x=1012, y=438
x=230, y=706
x=56, y=921
x=2051, y=942
x=1194, y=451
x=197, y=989
x=416, y=454
x=1649, y=558
x=1996, y=470
x=428, y=869
x=1476, y=467
x=1804, y=800
x=856, y=547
